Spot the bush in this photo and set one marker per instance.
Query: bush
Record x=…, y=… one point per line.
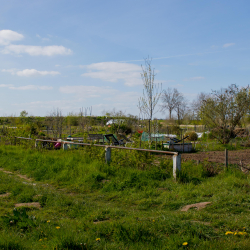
x=192, y=136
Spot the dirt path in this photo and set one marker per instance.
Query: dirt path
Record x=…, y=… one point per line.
x=234, y=157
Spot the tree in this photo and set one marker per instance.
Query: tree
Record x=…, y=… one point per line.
x=55, y=122
x=172, y=100
x=151, y=92
x=223, y=110
x=23, y=113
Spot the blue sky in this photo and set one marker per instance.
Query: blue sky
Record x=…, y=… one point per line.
x=81, y=53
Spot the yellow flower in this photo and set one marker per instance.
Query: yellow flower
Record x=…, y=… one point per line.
x=229, y=232
x=40, y=239
x=185, y=244
x=242, y=233
x=98, y=239
x=48, y=221
x=153, y=220
x=235, y=233
x=45, y=238
x=57, y=227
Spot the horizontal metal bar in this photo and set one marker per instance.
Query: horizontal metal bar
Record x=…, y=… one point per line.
x=24, y=138
x=117, y=147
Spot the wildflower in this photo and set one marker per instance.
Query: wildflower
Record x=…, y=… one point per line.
x=229, y=232
x=185, y=244
x=98, y=239
x=41, y=240
x=57, y=227
x=45, y=238
x=153, y=220
x=242, y=233
x=48, y=221
x=235, y=233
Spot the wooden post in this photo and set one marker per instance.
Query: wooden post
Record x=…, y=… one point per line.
x=108, y=154
x=226, y=159
x=176, y=164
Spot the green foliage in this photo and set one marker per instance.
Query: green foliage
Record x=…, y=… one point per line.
x=131, y=203
x=192, y=136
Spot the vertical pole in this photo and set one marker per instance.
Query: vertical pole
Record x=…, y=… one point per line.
x=176, y=164
x=226, y=159
x=36, y=143
x=15, y=141
x=183, y=144
x=107, y=154
x=65, y=146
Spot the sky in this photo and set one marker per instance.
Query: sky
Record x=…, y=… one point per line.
x=72, y=55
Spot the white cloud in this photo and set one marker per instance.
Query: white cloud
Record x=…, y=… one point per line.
x=115, y=71
x=26, y=87
x=196, y=78
x=8, y=36
x=37, y=50
x=30, y=72
x=31, y=87
x=5, y=85
x=226, y=45
x=87, y=91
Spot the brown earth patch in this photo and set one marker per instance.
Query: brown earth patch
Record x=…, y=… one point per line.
x=30, y=204
x=5, y=195
x=199, y=206
x=234, y=156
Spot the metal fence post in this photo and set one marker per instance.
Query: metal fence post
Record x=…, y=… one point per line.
x=65, y=146
x=176, y=164
x=107, y=154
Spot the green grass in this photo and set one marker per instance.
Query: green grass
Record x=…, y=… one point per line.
x=132, y=203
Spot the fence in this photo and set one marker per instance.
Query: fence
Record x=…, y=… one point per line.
x=176, y=155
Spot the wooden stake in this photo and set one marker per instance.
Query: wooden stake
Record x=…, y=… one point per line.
x=226, y=159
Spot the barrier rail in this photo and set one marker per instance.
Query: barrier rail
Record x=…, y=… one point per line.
x=176, y=155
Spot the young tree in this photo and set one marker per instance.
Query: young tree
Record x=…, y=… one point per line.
x=151, y=92
x=223, y=110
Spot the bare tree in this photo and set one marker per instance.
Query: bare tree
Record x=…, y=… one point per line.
x=172, y=100
x=151, y=92
x=181, y=108
x=55, y=122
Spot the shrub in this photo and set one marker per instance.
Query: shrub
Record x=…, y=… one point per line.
x=192, y=136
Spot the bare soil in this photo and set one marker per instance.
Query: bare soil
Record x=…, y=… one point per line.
x=234, y=157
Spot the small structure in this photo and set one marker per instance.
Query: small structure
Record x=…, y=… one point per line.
x=111, y=139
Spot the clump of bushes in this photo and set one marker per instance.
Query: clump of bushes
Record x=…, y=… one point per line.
x=192, y=136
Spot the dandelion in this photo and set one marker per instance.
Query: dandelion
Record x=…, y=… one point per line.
x=45, y=238
x=57, y=227
x=41, y=240
x=48, y=221
x=235, y=233
x=242, y=233
x=98, y=239
x=153, y=220
x=185, y=244
x=229, y=232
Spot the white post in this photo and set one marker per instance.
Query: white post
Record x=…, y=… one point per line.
x=36, y=143
x=176, y=164
x=65, y=146
x=108, y=154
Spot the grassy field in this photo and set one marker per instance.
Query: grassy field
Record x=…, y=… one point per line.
x=132, y=203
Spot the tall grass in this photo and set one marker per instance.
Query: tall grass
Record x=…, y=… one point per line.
x=131, y=203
